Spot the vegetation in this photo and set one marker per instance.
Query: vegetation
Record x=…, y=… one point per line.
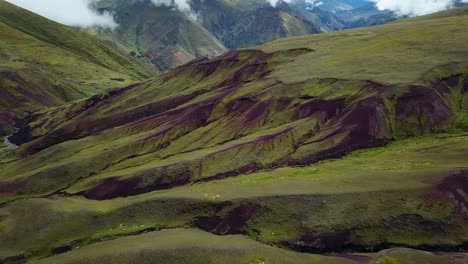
x=177, y=246
x=168, y=37
x=165, y=36
x=45, y=64
x=349, y=141
x=407, y=193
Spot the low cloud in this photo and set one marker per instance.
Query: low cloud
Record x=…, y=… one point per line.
x=77, y=13
x=415, y=7
x=182, y=4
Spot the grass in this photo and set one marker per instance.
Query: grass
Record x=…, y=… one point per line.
x=261, y=121
x=45, y=64
x=245, y=115
x=330, y=194
x=406, y=164
x=177, y=246
x=187, y=246
x=377, y=53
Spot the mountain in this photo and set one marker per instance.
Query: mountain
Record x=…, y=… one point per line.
x=168, y=37
x=45, y=64
x=163, y=34
x=366, y=15
x=238, y=26
x=340, y=14
x=351, y=141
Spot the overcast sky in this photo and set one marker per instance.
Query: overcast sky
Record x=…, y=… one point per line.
x=78, y=13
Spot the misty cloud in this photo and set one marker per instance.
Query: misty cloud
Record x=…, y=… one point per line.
x=181, y=4
x=69, y=12
x=78, y=12
x=415, y=7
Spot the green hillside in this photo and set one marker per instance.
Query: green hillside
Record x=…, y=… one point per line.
x=351, y=141
x=177, y=246
x=45, y=64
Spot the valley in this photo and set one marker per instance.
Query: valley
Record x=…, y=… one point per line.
x=338, y=147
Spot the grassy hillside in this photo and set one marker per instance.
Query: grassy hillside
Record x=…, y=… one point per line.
x=46, y=64
x=346, y=141
x=366, y=201
x=177, y=246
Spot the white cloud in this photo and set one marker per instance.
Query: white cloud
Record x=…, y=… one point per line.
x=181, y=4
x=78, y=13
x=415, y=7
x=69, y=12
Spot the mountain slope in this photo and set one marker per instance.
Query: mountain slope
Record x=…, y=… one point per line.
x=238, y=26
x=165, y=153
x=177, y=246
x=169, y=37
x=164, y=35
x=46, y=64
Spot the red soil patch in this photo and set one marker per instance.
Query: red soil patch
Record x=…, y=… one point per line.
x=423, y=104
x=114, y=188
x=234, y=223
x=456, y=187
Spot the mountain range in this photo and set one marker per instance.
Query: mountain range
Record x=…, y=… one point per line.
x=168, y=36
x=351, y=144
